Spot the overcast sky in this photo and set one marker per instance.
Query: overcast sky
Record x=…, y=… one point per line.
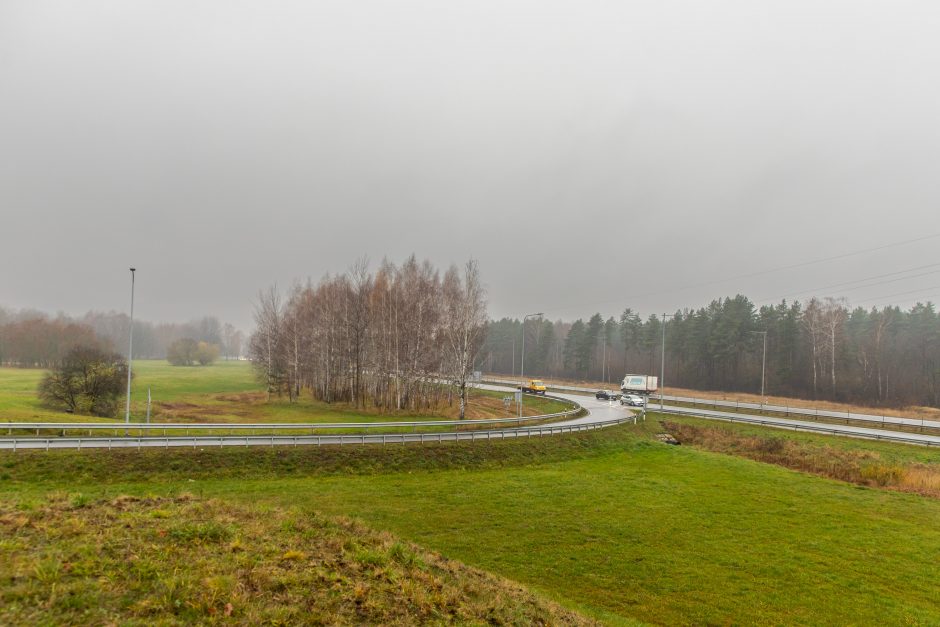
x=591, y=155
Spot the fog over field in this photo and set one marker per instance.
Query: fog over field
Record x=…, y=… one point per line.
x=590, y=156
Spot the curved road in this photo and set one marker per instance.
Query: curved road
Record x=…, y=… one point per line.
x=599, y=414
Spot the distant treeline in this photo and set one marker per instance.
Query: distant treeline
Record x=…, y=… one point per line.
x=33, y=339
x=385, y=339
x=820, y=350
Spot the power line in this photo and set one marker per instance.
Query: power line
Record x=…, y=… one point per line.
x=917, y=291
x=817, y=290
x=748, y=275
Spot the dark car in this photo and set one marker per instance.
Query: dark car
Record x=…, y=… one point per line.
x=604, y=395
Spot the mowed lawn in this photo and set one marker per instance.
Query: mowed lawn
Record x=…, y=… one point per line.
x=610, y=523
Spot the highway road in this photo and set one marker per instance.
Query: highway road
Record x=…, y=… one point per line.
x=599, y=414
x=803, y=425
x=823, y=421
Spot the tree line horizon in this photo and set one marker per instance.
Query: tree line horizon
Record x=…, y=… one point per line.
x=821, y=350
x=33, y=339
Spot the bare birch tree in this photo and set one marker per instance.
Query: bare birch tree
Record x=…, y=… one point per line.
x=464, y=325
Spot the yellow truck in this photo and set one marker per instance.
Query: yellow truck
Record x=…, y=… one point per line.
x=534, y=386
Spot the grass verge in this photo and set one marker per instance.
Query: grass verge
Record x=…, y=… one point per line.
x=862, y=466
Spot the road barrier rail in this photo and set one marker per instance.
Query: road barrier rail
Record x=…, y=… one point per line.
x=824, y=428
x=809, y=412
x=141, y=442
x=34, y=429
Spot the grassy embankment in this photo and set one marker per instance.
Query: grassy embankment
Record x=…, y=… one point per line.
x=227, y=392
x=863, y=462
x=189, y=561
x=609, y=523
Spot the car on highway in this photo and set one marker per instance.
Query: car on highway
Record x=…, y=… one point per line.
x=633, y=400
x=604, y=395
x=534, y=386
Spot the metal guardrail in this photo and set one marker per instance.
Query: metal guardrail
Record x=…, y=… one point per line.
x=15, y=444
x=787, y=410
x=808, y=412
x=142, y=429
x=280, y=426
x=824, y=428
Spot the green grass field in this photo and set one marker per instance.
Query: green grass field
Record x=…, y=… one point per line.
x=609, y=523
x=18, y=400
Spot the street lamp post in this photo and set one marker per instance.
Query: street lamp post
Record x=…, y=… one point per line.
x=763, y=364
x=522, y=365
x=130, y=354
x=522, y=357
x=662, y=364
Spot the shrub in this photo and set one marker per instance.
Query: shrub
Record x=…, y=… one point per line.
x=187, y=352
x=88, y=381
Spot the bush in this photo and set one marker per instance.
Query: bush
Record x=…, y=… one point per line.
x=88, y=381
x=206, y=353
x=187, y=352
x=182, y=352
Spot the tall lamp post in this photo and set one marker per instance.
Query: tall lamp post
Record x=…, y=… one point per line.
x=763, y=364
x=522, y=365
x=130, y=354
x=522, y=358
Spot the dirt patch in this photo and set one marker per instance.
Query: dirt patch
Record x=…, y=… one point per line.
x=196, y=413
x=244, y=398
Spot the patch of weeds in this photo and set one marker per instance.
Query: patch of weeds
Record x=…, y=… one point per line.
x=209, y=531
x=293, y=556
x=370, y=557
x=404, y=555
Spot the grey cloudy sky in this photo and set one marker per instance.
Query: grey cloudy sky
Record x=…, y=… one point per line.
x=591, y=155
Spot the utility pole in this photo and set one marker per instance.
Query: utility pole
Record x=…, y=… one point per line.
x=130, y=354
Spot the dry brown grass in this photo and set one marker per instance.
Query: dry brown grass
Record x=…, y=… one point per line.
x=176, y=561
x=861, y=467
x=254, y=407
